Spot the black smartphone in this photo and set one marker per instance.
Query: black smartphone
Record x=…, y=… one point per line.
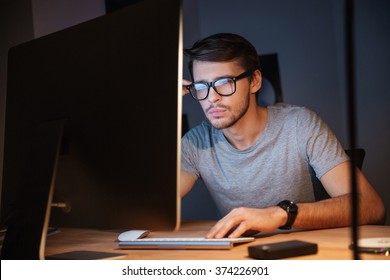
x=280, y=250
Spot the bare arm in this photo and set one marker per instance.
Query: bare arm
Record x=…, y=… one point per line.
x=187, y=182
x=333, y=212
x=336, y=211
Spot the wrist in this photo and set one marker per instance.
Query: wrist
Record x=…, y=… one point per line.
x=280, y=216
x=291, y=210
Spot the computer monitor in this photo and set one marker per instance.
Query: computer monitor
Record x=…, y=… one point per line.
x=109, y=91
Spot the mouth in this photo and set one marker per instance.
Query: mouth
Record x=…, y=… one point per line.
x=216, y=112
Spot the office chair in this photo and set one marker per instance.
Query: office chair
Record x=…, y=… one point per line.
x=271, y=90
x=319, y=190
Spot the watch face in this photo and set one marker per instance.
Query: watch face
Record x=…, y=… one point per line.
x=289, y=206
x=293, y=207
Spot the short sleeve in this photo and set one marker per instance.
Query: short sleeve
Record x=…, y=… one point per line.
x=318, y=144
x=189, y=155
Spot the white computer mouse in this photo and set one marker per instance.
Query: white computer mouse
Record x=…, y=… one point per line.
x=133, y=234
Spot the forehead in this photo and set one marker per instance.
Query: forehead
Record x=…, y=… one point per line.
x=209, y=70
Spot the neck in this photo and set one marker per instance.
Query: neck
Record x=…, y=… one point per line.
x=248, y=129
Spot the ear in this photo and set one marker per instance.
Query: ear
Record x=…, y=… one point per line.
x=257, y=80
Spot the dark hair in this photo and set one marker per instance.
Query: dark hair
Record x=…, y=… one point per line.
x=222, y=47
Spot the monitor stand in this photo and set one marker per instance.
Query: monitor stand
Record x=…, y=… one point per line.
x=25, y=238
x=28, y=224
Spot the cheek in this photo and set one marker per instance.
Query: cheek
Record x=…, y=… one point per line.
x=204, y=105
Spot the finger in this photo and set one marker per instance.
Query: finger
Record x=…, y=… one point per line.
x=185, y=83
x=214, y=230
x=239, y=231
x=184, y=90
x=222, y=228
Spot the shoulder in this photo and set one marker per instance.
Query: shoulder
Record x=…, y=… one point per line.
x=292, y=114
x=290, y=109
x=199, y=135
x=202, y=129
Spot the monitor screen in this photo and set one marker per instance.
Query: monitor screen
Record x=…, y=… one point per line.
x=113, y=83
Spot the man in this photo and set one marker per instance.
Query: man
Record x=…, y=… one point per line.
x=255, y=160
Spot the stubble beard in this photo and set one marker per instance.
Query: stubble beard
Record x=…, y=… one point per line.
x=222, y=123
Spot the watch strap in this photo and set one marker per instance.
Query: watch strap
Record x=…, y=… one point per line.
x=292, y=210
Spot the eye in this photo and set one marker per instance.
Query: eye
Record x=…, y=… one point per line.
x=223, y=82
x=200, y=86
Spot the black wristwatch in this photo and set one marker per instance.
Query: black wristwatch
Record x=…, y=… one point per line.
x=292, y=210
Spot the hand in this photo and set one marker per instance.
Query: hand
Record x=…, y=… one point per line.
x=240, y=220
x=185, y=83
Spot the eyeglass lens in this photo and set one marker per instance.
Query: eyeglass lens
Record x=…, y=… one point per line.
x=224, y=86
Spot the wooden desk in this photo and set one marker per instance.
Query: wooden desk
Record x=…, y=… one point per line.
x=332, y=243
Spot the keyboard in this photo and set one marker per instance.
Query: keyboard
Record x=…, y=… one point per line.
x=184, y=243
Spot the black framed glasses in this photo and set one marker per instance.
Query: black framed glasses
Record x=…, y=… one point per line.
x=223, y=86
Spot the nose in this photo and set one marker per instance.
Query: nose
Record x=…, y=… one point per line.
x=213, y=96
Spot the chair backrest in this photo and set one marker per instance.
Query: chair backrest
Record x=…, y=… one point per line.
x=319, y=190
x=269, y=67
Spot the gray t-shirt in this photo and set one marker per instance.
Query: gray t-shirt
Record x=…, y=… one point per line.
x=275, y=167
